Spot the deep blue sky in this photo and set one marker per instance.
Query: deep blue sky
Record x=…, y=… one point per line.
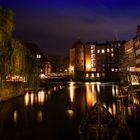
x=56, y=24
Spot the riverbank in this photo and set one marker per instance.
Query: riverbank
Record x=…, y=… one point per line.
x=11, y=90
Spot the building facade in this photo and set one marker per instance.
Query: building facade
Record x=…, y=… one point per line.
x=96, y=61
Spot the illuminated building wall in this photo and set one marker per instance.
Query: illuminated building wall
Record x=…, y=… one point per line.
x=76, y=57
x=137, y=50
x=96, y=60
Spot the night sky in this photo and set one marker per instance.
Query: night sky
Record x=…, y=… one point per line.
x=56, y=24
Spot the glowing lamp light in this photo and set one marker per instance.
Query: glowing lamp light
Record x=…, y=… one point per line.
x=88, y=66
x=132, y=69
x=71, y=69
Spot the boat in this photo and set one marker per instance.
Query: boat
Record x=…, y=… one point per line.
x=98, y=124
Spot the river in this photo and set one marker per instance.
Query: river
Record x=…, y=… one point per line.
x=55, y=113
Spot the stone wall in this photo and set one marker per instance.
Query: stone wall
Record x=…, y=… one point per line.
x=11, y=90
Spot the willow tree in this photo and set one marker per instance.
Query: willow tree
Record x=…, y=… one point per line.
x=6, y=29
x=24, y=63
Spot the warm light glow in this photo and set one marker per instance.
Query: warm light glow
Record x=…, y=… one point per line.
x=94, y=94
x=132, y=69
x=108, y=50
x=39, y=116
x=98, y=88
x=87, y=75
x=38, y=56
x=41, y=97
x=137, y=69
x=112, y=69
x=92, y=75
x=71, y=92
x=15, y=116
x=103, y=51
x=112, y=54
x=88, y=66
x=70, y=113
x=89, y=97
x=54, y=88
x=98, y=51
x=98, y=75
x=109, y=109
x=114, y=109
x=32, y=98
x=26, y=99
x=42, y=76
x=71, y=68
x=112, y=49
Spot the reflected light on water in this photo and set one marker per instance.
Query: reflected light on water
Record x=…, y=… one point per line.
x=15, y=115
x=54, y=88
x=113, y=90
x=109, y=109
x=70, y=113
x=41, y=97
x=39, y=116
x=114, y=109
x=32, y=98
x=26, y=99
x=89, y=95
x=94, y=94
x=71, y=92
x=98, y=88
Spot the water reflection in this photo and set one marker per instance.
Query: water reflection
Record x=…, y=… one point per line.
x=39, y=116
x=31, y=98
x=70, y=113
x=91, y=97
x=71, y=92
x=15, y=116
x=26, y=99
x=71, y=104
x=41, y=97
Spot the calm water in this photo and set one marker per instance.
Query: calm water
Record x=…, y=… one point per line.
x=55, y=113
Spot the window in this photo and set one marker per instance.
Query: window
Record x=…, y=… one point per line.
x=98, y=75
x=112, y=54
x=112, y=49
x=92, y=75
x=108, y=50
x=112, y=69
x=103, y=51
x=38, y=56
x=87, y=75
x=98, y=51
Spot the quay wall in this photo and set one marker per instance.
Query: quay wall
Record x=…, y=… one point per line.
x=11, y=90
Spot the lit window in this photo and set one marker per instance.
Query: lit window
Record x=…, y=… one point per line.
x=87, y=75
x=108, y=50
x=112, y=49
x=93, y=69
x=112, y=54
x=112, y=69
x=92, y=75
x=98, y=51
x=119, y=69
x=103, y=74
x=116, y=70
x=91, y=47
x=119, y=44
x=103, y=51
x=98, y=75
x=38, y=56
x=91, y=51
